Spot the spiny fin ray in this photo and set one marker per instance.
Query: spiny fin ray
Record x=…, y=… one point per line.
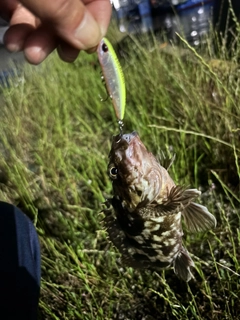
x=178, y=199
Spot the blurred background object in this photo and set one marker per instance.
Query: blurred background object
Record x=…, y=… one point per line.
x=192, y=19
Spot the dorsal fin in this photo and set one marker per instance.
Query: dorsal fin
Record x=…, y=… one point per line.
x=165, y=161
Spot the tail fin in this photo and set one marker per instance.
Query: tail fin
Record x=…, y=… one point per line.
x=182, y=265
x=197, y=218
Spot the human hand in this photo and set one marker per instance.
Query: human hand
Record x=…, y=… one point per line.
x=37, y=27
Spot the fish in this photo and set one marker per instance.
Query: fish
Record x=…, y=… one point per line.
x=143, y=219
x=113, y=77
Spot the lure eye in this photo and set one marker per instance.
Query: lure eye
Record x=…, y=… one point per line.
x=104, y=47
x=113, y=171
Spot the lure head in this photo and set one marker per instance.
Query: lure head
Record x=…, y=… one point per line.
x=103, y=47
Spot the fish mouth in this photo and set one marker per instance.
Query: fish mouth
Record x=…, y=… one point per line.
x=128, y=149
x=125, y=148
x=129, y=136
x=124, y=139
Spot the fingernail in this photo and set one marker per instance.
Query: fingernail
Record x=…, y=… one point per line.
x=88, y=32
x=35, y=55
x=13, y=47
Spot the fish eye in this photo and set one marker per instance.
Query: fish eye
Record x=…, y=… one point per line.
x=104, y=47
x=113, y=171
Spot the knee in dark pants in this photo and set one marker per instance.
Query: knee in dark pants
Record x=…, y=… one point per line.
x=19, y=264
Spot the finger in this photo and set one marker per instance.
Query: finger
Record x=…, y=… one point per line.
x=71, y=19
x=39, y=44
x=22, y=23
x=15, y=37
x=67, y=53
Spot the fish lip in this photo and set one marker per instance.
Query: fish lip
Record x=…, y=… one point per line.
x=125, y=138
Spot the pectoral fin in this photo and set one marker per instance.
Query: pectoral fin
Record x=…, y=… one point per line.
x=197, y=218
x=178, y=199
x=182, y=265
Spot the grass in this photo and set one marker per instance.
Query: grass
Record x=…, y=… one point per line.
x=55, y=138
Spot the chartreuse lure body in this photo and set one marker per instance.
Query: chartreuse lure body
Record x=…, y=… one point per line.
x=113, y=76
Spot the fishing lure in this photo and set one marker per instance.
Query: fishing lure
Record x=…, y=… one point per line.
x=113, y=77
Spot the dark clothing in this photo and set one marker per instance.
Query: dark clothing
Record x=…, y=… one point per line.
x=19, y=265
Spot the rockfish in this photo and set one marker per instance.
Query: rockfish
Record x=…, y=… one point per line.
x=143, y=219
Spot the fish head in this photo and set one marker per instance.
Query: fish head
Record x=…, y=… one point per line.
x=135, y=173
